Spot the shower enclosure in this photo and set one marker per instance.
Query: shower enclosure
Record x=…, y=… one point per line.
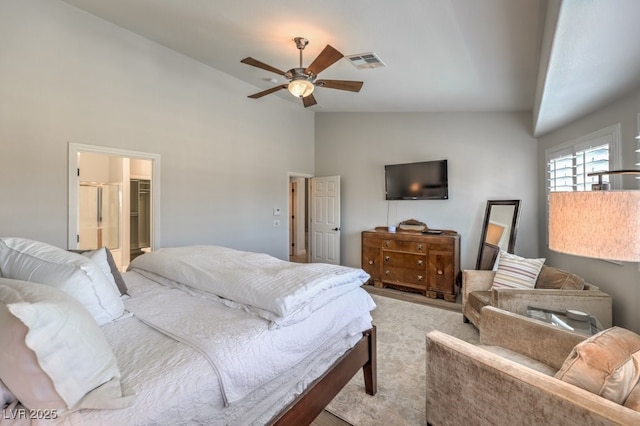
x=100, y=206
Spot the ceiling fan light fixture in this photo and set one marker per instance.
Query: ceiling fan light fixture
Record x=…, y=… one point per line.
x=301, y=88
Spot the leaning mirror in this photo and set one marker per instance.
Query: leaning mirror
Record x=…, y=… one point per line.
x=498, y=231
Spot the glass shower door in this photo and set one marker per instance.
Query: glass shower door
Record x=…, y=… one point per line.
x=99, y=216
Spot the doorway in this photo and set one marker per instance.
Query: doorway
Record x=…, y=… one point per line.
x=113, y=201
x=314, y=219
x=298, y=219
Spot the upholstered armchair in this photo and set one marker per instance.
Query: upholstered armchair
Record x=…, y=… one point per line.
x=528, y=372
x=554, y=290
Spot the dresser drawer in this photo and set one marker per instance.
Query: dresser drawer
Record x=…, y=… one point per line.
x=404, y=260
x=372, y=241
x=408, y=246
x=397, y=275
x=441, y=244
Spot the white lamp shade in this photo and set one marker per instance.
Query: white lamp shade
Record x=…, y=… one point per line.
x=598, y=224
x=301, y=88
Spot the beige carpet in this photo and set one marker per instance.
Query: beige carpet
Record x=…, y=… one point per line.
x=400, y=400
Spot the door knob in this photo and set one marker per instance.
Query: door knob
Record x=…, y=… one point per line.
x=335, y=229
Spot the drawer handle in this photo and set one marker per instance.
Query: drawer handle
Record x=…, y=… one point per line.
x=420, y=278
x=440, y=272
x=420, y=247
x=386, y=272
x=387, y=258
x=420, y=262
x=387, y=243
x=371, y=262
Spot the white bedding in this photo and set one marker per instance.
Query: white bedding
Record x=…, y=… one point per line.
x=175, y=384
x=242, y=350
x=259, y=283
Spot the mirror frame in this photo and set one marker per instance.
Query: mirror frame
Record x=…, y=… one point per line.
x=514, y=225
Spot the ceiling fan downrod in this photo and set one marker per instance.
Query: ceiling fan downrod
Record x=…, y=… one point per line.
x=301, y=43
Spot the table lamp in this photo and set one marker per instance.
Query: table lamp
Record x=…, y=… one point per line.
x=600, y=224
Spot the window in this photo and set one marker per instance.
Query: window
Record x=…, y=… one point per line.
x=569, y=164
x=569, y=171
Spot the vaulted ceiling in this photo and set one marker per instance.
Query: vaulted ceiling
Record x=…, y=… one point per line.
x=559, y=59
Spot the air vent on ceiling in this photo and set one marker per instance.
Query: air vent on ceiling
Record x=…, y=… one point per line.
x=365, y=60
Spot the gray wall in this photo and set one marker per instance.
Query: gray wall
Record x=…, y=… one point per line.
x=620, y=281
x=68, y=76
x=490, y=156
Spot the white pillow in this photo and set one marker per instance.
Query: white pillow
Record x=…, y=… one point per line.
x=99, y=257
x=38, y=262
x=54, y=355
x=516, y=272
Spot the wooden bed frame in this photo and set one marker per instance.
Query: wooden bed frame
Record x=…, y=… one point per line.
x=308, y=405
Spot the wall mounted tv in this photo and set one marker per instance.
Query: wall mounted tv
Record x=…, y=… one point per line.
x=426, y=180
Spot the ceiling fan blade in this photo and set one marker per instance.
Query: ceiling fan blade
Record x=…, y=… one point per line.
x=309, y=100
x=268, y=91
x=327, y=57
x=352, y=86
x=257, y=63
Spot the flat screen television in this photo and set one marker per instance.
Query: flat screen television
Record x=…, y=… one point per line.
x=426, y=180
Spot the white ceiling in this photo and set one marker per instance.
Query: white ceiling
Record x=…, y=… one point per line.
x=558, y=59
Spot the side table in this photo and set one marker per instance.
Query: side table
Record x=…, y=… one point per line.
x=589, y=326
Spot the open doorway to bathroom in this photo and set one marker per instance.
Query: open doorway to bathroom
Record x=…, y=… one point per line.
x=113, y=201
x=299, y=219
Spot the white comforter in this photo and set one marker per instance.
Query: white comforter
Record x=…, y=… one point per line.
x=282, y=292
x=310, y=302
x=175, y=385
x=241, y=349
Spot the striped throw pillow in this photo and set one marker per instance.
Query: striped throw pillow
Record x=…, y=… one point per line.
x=516, y=272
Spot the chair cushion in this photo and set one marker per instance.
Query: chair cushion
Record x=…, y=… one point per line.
x=633, y=400
x=479, y=299
x=516, y=272
x=606, y=364
x=557, y=279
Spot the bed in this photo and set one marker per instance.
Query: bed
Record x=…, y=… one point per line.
x=189, y=335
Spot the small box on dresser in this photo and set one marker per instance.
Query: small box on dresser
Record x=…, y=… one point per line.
x=413, y=261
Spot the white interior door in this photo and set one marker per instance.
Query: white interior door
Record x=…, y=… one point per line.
x=325, y=220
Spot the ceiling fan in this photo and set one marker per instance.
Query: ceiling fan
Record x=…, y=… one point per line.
x=302, y=81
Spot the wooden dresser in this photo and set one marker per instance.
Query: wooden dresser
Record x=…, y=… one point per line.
x=413, y=261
